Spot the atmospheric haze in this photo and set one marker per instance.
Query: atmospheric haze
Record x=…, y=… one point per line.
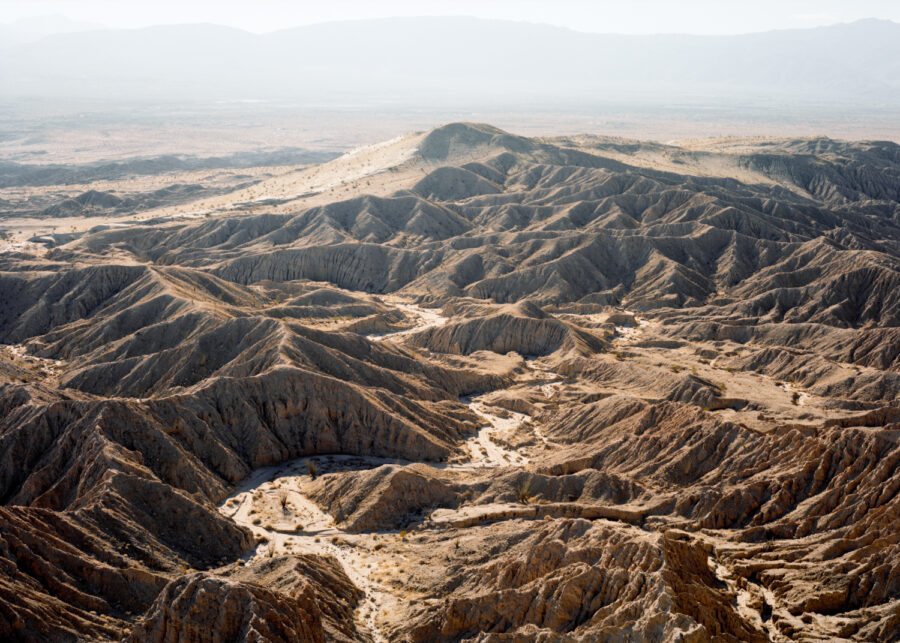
x=341, y=322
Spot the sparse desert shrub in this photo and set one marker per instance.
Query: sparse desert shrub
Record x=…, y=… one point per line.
x=311, y=468
x=675, y=368
x=283, y=496
x=523, y=491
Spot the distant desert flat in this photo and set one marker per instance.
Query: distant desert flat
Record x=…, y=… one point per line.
x=457, y=385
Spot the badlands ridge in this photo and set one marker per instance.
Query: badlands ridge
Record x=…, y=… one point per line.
x=465, y=385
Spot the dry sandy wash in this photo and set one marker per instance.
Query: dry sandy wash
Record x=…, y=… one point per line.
x=462, y=385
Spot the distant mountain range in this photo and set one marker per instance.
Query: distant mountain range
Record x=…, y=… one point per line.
x=459, y=62
x=27, y=30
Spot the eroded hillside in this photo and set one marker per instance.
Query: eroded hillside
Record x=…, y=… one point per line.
x=465, y=385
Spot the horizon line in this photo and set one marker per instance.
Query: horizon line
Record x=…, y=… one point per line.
x=95, y=27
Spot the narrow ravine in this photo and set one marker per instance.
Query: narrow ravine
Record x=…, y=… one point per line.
x=40, y=367
x=752, y=599
x=798, y=397
x=299, y=526
x=423, y=319
x=484, y=451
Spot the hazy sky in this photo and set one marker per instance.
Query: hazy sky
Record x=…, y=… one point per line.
x=618, y=16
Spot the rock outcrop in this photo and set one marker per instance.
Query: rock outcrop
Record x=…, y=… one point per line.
x=305, y=598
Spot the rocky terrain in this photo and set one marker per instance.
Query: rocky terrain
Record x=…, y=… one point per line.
x=463, y=385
